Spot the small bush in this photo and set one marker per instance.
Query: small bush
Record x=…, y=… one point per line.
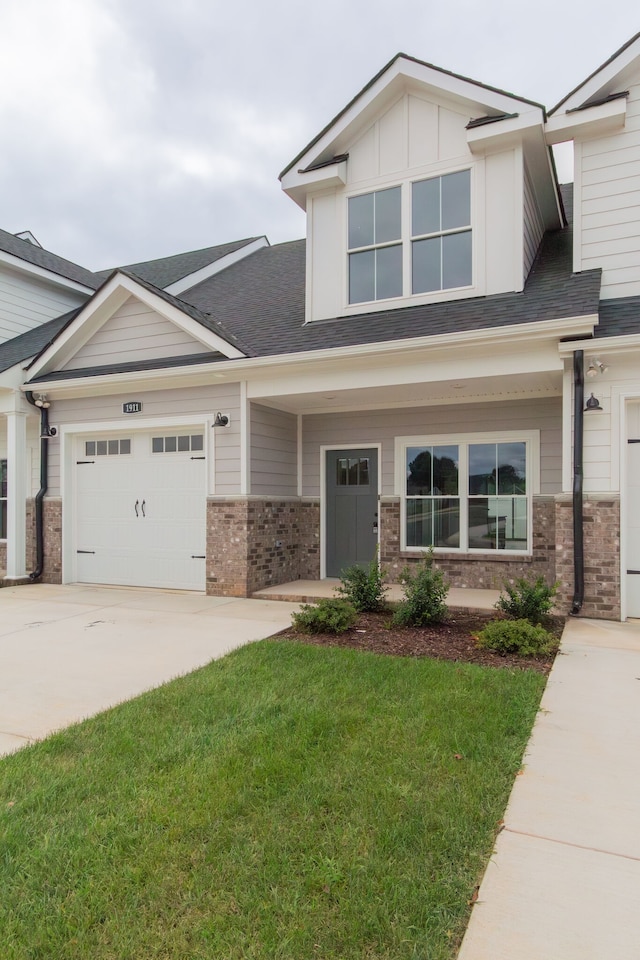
x=326, y=616
x=425, y=594
x=363, y=588
x=516, y=636
x=530, y=600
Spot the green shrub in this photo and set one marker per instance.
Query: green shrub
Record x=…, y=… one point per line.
x=326, y=616
x=516, y=636
x=363, y=588
x=425, y=595
x=528, y=600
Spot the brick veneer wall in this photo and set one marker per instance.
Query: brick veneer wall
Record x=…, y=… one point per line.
x=52, y=517
x=485, y=571
x=3, y=556
x=256, y=542
x=601, y=527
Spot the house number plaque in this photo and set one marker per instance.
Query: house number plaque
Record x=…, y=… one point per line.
x=132, y=406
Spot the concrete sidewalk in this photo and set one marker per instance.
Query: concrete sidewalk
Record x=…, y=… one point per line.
x=67, y=652
x=564, y=882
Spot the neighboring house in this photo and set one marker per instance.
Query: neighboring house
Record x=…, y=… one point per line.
x=410, y=376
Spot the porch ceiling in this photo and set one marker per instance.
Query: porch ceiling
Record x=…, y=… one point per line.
x=495, y=389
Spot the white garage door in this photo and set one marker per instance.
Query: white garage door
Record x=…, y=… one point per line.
x=141, y=509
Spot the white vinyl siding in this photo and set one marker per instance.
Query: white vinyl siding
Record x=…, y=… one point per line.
x=609, y=197
x=201, y=402
x=27, y=302
x=533, y=226
x=383, y=426
x=273, y=452
x=135, y=332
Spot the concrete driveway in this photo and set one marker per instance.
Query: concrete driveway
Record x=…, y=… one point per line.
x=67, y=652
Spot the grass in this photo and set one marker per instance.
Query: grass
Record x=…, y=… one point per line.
x=287, y=801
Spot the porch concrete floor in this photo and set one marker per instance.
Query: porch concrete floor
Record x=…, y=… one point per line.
x=306, y=591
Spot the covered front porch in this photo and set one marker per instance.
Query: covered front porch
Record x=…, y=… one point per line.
x=308, y=591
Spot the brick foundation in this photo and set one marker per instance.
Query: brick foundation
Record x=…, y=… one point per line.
x=256, y=542
x=485, y=571
x=52, y=516
x=3, y=556
x=601, y=555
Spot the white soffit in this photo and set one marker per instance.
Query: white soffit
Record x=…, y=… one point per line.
x=611, y=78
x=596, y=121
x=111, y=296
x=25, y=267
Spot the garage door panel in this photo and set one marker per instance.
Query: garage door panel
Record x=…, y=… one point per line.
x=141, y=518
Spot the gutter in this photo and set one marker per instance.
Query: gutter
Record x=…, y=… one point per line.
x=46, y=432
x=578, y=527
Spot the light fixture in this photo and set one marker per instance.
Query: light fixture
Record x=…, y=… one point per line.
x=595, y=367
x=592, y=403
x=41, y=401
x=221, y=420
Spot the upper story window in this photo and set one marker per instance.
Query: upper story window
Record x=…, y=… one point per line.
x=441, y=233
x=375, y=257
x=438, y=230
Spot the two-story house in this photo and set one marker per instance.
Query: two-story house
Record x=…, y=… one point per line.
x=442, y=363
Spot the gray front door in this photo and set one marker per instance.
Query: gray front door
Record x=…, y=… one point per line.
x=352, y=508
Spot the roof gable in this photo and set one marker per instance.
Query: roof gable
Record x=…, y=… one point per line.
x=123, y=303
x=402, y=74
x=608, y=80
x=27, y=256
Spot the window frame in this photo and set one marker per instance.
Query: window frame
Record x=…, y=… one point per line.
x=463, y=441
x=407, y=240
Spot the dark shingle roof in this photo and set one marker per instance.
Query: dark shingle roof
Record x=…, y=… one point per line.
x=619, y=318
x=47, y=261
x=168, y=270
x=33, y=342
x=263, y=299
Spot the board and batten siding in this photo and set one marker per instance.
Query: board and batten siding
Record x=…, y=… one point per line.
x=135, y=332
x=201, y=402
x=533, y=225
x=608, y=184
x=274, y=445
x=28, y=301
x=416, y=139
x=369, y=427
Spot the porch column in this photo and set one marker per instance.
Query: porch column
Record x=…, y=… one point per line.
x=16, y=494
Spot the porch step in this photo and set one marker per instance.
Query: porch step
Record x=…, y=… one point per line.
x=464, y=599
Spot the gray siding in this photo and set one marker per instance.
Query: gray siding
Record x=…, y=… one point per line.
x=184, y=401
x=27, y=301
x=274, y=445
x=384, y=426
x=135, y=332
x=533, y=226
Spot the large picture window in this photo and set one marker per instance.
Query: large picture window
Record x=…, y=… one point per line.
x=467, y=496
x=3, y=499
x=421, y=228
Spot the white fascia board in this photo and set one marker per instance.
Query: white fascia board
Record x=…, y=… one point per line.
x=301, y=183
x=603, y=80
x=103, y=305
x=595, y=121
x=504, y=134
x=247, y=367
x=25, y=267
x=603, y=347
x=192, y=279
x=400, y=72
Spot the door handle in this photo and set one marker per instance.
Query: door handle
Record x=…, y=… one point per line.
x=135, y=507
x=142, y=508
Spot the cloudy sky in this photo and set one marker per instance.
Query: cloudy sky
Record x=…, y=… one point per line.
x=133, y=129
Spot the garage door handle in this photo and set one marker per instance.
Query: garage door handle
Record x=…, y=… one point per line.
x=142, y=508
x=135, y=507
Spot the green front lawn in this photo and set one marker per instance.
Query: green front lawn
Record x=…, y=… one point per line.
x=288, y=801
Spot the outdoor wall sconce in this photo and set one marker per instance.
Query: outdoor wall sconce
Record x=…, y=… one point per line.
x=592, y=403
x=221, y=420
x=41, y=401
x=595, y=367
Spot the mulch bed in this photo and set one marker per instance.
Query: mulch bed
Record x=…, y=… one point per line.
x=451, y=640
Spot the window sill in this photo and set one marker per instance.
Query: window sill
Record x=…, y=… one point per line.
x=501, y=557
